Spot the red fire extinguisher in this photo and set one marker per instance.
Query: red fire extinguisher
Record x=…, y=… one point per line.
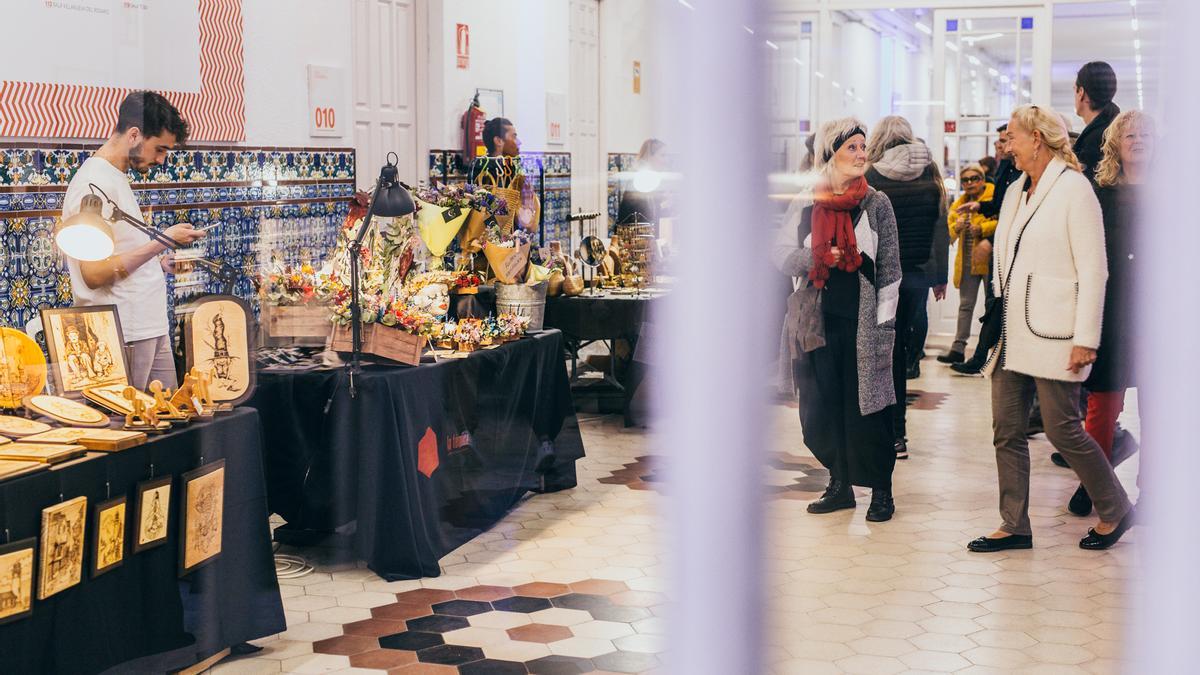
x=472, y=125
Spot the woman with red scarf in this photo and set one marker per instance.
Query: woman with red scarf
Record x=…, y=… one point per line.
x=839, y=242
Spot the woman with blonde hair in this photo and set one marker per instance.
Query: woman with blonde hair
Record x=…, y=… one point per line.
x=1050, y=273
x=836, y=347
x=968, y=229
x=1126, y=154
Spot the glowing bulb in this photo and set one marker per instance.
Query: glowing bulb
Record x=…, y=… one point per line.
x=647, y=180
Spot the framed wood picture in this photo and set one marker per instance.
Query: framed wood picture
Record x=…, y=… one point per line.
x=153, y=513
x=86, y=346
x=108, y=535
x=203, y=511
x=22, y=367
x=17, y=572
x=219, y=337
x=66, y=411
x=61, y=564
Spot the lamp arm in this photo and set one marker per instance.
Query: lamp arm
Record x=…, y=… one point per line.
x=355, y=303
x=221, y=269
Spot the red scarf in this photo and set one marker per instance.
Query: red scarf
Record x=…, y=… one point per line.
x=832, y=226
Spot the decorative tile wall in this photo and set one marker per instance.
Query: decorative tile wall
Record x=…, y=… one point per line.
x=285, y=202
x=446, y=166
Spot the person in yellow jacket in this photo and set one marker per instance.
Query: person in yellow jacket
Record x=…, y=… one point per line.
x=968, y=227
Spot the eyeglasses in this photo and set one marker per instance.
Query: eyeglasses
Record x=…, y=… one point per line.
x=971, y=179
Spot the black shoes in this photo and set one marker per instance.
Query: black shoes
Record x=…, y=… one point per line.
x=838, y=496
x=1012, y=541
x=1081, y=502
x=882, y=505
x=1094, y=541
x=902, y=448
x=952, y=357
x=971, y=367
x=913, y=372
x=1058, y=460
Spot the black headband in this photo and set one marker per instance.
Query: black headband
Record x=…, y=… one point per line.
x=841, y=140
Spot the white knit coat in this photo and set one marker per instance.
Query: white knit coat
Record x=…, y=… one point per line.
x=1054, y=296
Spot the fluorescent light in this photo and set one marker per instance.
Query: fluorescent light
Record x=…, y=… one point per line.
x=858, y=98
x=1025, y=93
x=920, y=103
x=1013, y=86
x=1134, y=23
x=951, y=46
x=772, y=45
x=797, y=60
x=993, y=72
x=1004, y=79
x=1139, y=72
x=974, y=73
x=1138, y=58
x=970, y=25
x=974, y=60
x=1132, y=3
x=1137, y=43
x=923, y=28
x=749, y=29
x=836, y=84
x=819, y=74
x=687, y=4
x=983, y=38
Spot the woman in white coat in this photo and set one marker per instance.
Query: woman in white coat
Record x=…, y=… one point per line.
x=1050, y=272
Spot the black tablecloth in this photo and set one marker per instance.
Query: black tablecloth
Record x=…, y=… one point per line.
x=604, y=317
x=143, y=607
x=495, y=425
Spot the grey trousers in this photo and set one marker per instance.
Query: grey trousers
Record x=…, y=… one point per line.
x=968, y=295
x=1012, y=397
x=149, y=360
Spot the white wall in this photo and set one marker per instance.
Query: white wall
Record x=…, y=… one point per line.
x=280, y=39
x=627, y=34
x=519, y=46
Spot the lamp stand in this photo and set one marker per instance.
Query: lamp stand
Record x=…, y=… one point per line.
x=355, y=305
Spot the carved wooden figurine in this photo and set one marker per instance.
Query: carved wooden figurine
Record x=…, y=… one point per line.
x=141, y=419
x=163, y=407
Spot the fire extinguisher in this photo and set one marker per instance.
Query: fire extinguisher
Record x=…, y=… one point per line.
x=472, y=126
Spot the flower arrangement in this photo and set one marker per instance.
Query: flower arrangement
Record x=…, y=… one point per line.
x=468, y=334
x=512, y=326
x=445, y=195
x=287, y=285
x=484, y=201
x=466, y=283
x=514, y=239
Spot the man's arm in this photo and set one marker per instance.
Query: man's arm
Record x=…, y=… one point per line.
x=101, y=273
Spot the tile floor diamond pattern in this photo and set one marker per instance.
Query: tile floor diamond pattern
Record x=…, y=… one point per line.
x=573, y=582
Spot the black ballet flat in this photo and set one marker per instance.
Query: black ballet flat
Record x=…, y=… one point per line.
x=1094, y=541
x=1012, y=541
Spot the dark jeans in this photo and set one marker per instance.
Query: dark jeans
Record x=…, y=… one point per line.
x=855, y=448
x=912, y=300
x=918, y=332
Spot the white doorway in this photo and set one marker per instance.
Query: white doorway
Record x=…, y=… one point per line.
x=388, y=67
x=588, y=172
x=986, y=63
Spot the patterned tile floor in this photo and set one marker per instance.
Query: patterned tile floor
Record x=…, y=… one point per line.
x=573, y=582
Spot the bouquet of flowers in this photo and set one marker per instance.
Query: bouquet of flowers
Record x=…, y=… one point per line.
x=286, y=285
x=468, y=334
x=511, y=326
x=466, y=283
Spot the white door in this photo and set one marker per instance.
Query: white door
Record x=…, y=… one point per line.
x=986, y=63
x=588, y=173
x=385, y=88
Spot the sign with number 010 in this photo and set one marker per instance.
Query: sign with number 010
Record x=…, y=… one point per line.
x=326, y=101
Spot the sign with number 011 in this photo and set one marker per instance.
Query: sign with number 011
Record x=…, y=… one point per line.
x=326, y=101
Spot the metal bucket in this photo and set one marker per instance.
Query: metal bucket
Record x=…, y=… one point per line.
x=523, y=300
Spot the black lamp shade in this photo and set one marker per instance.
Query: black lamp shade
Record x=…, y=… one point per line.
x=392, y=200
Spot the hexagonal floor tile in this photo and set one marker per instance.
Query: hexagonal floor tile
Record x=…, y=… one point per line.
x=501, y=620
x=644, y=644
x=346, y=645
x=374, y=628
x=485, y=593
x=626, y=662
x=450, y=655
x=581, y=601
x=560, y=665
x=424, y=596
x=401, y=611
x=383, y=659
x=475, y=637
x=411, y=641
x=560, y=617
x=584, y=648
x=437, y=623
x=620, y=614
x=599, y=587
x=513, y=650
x=521, y=603
x=462, y=607
x=540, y=632
x=604, y=630
x=541, y=590
x=493, y=667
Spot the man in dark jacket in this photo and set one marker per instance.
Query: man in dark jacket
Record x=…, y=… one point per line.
x=1006, y=174
x=1095, y=87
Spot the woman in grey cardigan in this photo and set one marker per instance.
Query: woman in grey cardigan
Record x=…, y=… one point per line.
x=836, y=348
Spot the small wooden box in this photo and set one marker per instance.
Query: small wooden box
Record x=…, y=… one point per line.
x=96, y=440
x=385, y=342
x=296, y=321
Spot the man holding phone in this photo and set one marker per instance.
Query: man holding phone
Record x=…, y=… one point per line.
x=134, y=277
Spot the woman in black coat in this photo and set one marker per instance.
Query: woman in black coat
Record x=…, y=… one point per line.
x=1127, y=149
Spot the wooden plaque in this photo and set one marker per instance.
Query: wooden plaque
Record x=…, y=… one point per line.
x=218, y=333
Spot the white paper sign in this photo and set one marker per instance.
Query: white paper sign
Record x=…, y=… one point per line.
x=556, y=118
x=326, y=101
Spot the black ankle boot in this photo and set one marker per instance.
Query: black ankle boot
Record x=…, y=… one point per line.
x=838, y=495
x=1081, y=502
x=882, y=505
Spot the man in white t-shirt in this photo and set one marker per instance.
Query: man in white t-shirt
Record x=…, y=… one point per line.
x=134, y=277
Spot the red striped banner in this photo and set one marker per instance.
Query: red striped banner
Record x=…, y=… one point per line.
x=216, y=113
